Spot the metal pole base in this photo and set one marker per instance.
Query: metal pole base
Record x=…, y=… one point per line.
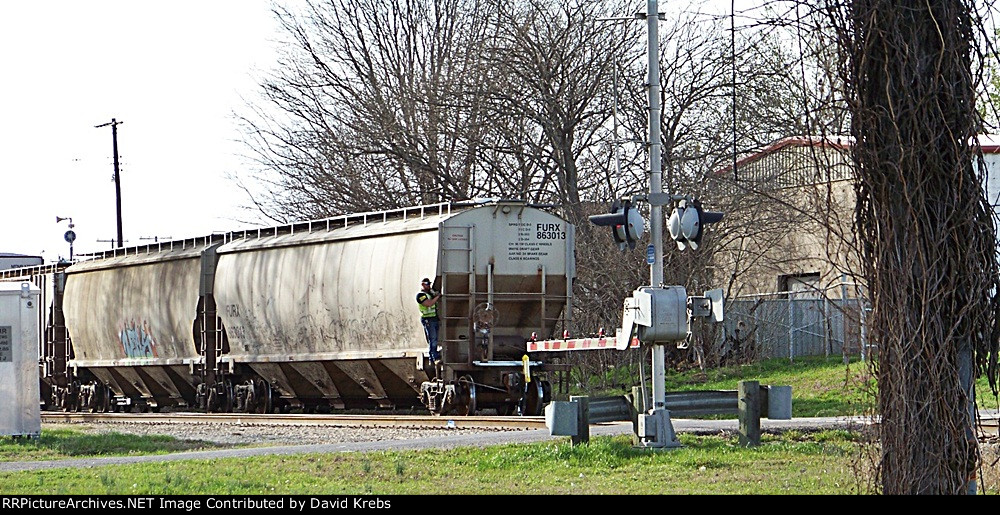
x=655, y=431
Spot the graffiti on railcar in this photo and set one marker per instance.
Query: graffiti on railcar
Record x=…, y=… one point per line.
x=137, y=339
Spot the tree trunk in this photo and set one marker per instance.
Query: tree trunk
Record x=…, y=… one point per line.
x=927, y=238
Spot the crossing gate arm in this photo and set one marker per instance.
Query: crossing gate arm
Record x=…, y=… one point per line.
x=572, y=344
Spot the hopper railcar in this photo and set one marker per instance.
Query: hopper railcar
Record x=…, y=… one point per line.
x=315, y=315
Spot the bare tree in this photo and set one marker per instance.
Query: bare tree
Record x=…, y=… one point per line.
x=375, y=105
x=555, y=61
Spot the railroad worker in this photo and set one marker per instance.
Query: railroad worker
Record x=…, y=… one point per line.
x=427, y=302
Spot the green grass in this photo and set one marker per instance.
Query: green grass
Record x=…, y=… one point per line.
x=794, y=463
x=72, y=443
x=821, y=387
x=984, y=396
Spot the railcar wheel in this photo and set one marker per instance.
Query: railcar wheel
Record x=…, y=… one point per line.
x=212, y=404
x=106, y=400
x=75, y=399
x=469, y=389
x=425, y=399
x=472, y=399
x=92, y=397
x=263, y=396
x=228, y=401
x=534, y=399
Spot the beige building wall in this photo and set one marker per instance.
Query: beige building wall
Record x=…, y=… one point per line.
x=799, y=235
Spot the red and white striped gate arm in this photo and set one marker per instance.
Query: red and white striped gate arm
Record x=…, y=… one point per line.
x=568, y=344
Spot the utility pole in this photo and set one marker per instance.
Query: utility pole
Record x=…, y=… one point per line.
x=118, y=186
x=659, y=314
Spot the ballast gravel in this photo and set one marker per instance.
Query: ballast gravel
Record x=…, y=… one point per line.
x=267, y=434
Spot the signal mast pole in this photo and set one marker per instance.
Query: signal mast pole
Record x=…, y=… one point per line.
x=655, y=187
x=118, y=185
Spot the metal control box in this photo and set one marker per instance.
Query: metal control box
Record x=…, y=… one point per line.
x=654, y=429
x=655, y=315
x=19, y=398
x=667, y=320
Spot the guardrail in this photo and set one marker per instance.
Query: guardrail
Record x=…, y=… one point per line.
x=751, y=402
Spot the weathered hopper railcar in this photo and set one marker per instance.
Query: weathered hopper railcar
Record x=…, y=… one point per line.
x=323, y=314
x=131, y=318
x=327, y=315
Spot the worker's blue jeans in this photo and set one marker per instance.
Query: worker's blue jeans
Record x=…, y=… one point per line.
x=431, y=332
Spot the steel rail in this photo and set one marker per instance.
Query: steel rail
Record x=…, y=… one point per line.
x=417, y=421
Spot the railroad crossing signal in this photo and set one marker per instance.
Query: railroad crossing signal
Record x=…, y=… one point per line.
x=627, y=225
x=687, y=221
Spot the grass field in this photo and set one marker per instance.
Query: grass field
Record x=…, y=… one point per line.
x=63, y=443
x=821, y=386
x=794, y=463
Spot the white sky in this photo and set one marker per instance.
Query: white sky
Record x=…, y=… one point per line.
x=172, y=72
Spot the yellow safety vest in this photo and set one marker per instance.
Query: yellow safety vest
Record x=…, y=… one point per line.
x=426, y=312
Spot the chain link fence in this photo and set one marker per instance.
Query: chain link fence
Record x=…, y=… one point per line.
x=792, y=324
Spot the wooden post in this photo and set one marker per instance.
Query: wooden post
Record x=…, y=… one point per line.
x=582, y=419
x=637, y=405
x=749, y=406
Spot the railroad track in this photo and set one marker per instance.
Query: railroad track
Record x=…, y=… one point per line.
x=989, y=423
x=414, y=421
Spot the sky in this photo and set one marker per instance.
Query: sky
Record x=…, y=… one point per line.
x=172, y=73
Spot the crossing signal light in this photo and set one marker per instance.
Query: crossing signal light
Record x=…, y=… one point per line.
x=687, y=221
x=627, y=225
